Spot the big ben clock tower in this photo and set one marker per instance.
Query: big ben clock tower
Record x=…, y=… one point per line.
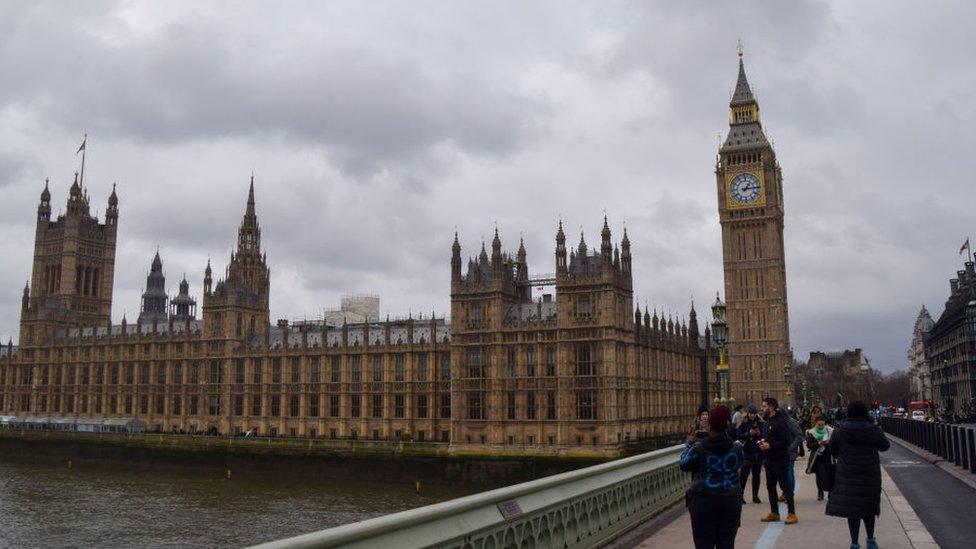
x=750, y=206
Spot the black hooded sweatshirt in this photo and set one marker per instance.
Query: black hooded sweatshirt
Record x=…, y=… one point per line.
x=714, y=463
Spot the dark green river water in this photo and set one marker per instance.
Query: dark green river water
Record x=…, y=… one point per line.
x=44, y=504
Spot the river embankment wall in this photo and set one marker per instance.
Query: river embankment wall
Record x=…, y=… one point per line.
x=383, y=461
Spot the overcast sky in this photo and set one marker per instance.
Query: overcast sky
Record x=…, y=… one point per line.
x=375, y=129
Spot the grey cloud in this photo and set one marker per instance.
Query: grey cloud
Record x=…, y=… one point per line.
x=375, y=129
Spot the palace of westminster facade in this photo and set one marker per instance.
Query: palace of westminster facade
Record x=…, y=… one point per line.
x=582, y=371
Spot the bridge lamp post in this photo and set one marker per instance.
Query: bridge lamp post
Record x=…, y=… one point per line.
x=720, y=335
x=788, y=380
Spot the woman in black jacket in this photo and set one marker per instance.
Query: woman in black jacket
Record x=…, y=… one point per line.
x=714, y=497
x=856, y=494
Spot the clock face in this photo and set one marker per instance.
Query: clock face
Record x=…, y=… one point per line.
x=745, y=188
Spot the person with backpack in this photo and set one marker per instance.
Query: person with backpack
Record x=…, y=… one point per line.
x=714, y=499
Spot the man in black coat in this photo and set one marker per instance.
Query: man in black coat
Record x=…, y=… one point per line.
x=856, y=494
x=775, y=445
x=748, y=433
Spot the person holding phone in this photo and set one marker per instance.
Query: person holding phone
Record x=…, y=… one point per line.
x=775, y=445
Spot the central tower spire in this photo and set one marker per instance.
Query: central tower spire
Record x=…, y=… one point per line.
x=249, y=234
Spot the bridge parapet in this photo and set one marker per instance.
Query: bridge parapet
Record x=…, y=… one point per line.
x=582, y=508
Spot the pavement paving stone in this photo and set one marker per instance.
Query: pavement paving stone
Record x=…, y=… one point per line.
x=898, y=527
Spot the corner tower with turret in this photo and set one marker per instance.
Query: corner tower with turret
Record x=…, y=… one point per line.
x=73, y=269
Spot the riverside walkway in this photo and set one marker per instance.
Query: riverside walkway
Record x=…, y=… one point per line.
x=898, y=526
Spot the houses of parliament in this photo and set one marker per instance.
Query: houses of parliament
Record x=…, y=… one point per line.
x=578, y=371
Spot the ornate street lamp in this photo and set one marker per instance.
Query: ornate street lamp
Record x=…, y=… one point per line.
x=720, y=335
x=788, y=380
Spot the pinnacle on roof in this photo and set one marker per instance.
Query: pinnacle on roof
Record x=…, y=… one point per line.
x=250, y=199
x=743, y=93
x=457, y=245
x=46, y=193
x=157, y=263
x=560, y=235
x=113, y=199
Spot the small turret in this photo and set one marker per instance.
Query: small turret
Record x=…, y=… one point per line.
x=625, y=253
x=605, y=244
x=560, y=250
x=207, y=279
x=521, y=263
x=112, y=213
x=496, y=255
x=25, y=300
x=456, y=259
x=44, y=209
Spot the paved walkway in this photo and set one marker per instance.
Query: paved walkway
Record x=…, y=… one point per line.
x=897, y=527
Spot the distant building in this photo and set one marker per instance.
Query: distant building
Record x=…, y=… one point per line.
x=918, y=367
x=952, y=346
x=354, y=309
x=847, y=362
x=840, y=376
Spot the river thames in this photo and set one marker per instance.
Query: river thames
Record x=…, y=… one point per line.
x=45, y=504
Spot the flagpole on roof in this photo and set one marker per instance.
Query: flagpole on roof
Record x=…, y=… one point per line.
x=81, y=150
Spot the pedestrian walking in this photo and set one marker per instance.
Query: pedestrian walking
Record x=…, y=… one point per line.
x=796, y=449
x=714, y=499
x=815, y=414
x=775, y=445
x=737, y=416
x=856, y=494
x=818, y=437
x=748, y=433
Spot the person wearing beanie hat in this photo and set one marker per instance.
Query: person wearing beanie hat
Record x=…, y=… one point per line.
x=714, y=499
x=748, y=433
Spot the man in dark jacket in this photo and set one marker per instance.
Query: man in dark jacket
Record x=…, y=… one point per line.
x=856, y=494
x=748, y=433
x=775, y=445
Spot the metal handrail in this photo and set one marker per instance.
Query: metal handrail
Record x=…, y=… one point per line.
x=581, y=508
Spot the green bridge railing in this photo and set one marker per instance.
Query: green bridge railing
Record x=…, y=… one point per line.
x=583, y=508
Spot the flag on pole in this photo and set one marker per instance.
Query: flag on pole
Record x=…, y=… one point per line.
x=964, y=247
x=82, y=147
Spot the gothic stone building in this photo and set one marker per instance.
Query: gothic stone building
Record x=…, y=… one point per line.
x=580, y=373
x=751, y=212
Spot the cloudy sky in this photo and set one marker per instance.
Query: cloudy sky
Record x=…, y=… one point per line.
x=375, y=129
